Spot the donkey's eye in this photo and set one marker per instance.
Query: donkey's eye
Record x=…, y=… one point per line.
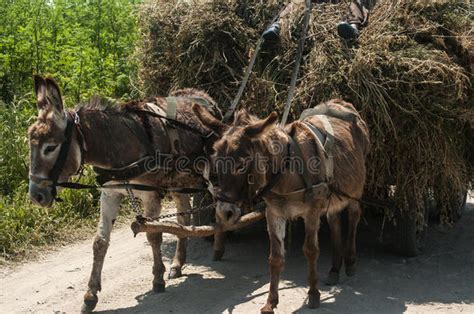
x=50, y=149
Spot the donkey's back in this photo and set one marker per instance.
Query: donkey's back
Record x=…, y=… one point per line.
x=350, y=147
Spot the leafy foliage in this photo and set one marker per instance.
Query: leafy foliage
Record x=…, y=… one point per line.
x=85, y=45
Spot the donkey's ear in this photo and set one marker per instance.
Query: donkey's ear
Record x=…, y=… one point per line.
x=209, y=120
x=54, y=95
x=40, y=91
x=262, y=125
x=242, y=118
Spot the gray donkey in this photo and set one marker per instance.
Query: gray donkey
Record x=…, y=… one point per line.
x=111, y=138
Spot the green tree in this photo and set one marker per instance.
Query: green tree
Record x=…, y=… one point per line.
x=84, y=44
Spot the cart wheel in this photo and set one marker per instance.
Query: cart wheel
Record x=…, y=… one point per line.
x=410, y=233
x=204, y=217
x=459, y=207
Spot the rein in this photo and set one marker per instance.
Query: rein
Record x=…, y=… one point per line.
x=138, y=187
x=177, y=123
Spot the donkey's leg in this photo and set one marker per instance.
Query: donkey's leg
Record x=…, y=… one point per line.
x=219, y=241
x=334, y=221
x=109, y=208
x=311, y=251
x=182, y=204
x=152, y=208
x=276, y=231
x=354, y=211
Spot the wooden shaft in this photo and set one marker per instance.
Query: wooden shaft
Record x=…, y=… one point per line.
x=192, y=231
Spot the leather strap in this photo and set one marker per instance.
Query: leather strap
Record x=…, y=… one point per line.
x=200, y=101
x=55, y=172
x=325, y=110
x=171, y=111
x=325, y=143
x=133, y=170
x=275, y=178
x=171, y=107
x=133, y=186
x=328, y=148
x=319, y=191
x=306, y=176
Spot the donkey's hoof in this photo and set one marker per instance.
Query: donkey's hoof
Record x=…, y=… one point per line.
x=90, y=302
x=332, y=279
x=218, y=255
x=350, y=270
x=175, y=272
x=159, y=287
x=313, y=301
x=267, y=309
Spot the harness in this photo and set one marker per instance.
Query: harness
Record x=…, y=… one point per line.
x=324, y=140
x=135, y=169
x=168, y=117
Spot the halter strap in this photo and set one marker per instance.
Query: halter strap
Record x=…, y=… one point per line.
x=72, y=121
x=55, y=172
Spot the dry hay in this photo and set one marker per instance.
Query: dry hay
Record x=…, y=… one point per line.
x=410, y=76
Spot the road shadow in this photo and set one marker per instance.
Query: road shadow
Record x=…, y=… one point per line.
x=385, y=282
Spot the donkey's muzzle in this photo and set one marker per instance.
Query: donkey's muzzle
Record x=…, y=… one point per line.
x=227, y=213
x=40, y=195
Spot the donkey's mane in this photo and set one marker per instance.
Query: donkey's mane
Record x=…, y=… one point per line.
x=99, y=103
x=108, y=105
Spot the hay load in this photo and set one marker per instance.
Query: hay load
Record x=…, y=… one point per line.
x=410, y=76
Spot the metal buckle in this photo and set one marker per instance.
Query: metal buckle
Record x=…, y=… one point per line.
x=77, y=120
x=44, y=183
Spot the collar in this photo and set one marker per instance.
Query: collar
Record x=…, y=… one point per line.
x=74, y=116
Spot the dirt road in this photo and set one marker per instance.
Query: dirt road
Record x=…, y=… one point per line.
x=442, y=279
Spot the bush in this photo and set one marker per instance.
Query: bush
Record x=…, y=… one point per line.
x=14, y=121
x=86, y=47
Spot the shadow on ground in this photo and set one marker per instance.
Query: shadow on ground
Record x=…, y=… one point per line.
x=385, y=282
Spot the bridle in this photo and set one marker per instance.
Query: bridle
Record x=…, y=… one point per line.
x=254, y=195
x=72, y=121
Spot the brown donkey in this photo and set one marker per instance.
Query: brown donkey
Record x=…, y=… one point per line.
x=114, y=137
x=298, y=175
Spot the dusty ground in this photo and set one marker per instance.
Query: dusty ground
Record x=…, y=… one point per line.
x=442, y=279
